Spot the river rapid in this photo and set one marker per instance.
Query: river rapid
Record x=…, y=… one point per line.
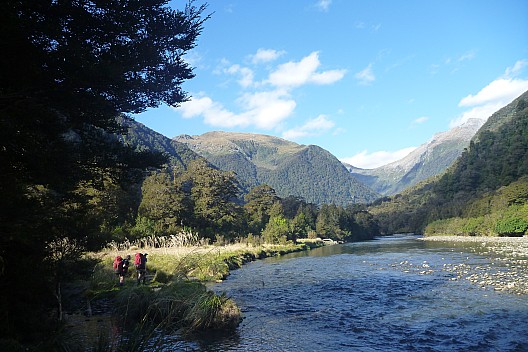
x=390, y=294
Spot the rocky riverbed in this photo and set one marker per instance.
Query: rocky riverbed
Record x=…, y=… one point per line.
x=508, y=271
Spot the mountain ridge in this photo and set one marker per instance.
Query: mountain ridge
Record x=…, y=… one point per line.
x=306, y=171
x=429, y=159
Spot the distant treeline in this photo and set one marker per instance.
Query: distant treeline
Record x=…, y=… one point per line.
x=207, y=201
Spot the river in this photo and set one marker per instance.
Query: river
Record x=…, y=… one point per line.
x=390, y=294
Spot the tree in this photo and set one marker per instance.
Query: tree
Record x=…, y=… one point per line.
x=300, y=226
x=163, y=202
x=291, y=205
x=214, y=196
x=69, y=68
x=327, y=224
x=259, y=201
x=278, y=228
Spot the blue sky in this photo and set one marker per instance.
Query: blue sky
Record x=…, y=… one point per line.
x=366, y=80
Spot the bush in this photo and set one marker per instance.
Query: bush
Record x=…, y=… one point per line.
x=162, y=277
x=514, y=222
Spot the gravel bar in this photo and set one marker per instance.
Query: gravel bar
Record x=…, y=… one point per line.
x=508, y=269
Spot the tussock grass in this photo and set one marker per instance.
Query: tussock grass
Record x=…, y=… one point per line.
x=179, y=305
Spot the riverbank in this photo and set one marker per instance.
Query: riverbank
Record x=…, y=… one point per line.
x=175, y=295
x=509, y=261
x=201, y=263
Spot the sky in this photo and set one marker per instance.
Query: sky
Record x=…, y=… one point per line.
x=369, y=81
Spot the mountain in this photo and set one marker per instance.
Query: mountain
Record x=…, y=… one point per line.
x=143, y=138
x=429, y=159
x=464, y=198
x=304, y=171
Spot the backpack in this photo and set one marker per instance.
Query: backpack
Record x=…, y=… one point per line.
x=139, y=261
x=118, y=264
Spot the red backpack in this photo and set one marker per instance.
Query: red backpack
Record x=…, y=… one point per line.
x=139, y=261
x=118, y=264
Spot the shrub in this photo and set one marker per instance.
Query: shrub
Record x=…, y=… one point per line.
x=514, y=222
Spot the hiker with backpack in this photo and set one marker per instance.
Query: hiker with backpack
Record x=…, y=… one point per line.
x=118, y=269
x=140, y=261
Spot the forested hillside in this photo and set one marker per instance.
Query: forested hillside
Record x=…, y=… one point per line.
x=309, y=172
x=141, y=139
x=465, y=198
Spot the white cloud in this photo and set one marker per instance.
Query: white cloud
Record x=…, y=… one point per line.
x=323, y=5
x=195, y=107
x=194, y=58
x=264, y=110
x=360, y=25
x=478, y=112
x=420, y=120
x=312, y=127
x=366, y=160
x=258, y=104
x=500, y=90
x=366, y=76
x=294, y=74
x=468, y=56
x=267, y=109
x=265, y=55
x=246, y=74
x=494, y=96
x=453, y=64
x=516, y=69
x=214, y=113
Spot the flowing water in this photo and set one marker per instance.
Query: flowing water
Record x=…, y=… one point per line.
x=390, y=294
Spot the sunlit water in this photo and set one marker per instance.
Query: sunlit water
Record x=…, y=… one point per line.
x=389, y=294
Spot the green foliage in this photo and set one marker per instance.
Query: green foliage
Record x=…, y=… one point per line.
x=164, y=203
x=513, y=222
x=277, y=230
x=345, y=224
x=259, y=201
x=502, y=218
x=327, y=182
x=214, y=194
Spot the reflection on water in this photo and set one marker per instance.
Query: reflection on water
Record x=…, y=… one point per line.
x=393, y=291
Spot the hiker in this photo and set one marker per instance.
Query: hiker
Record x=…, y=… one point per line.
x=140, y=262
x=118, y=269
x=126, y=265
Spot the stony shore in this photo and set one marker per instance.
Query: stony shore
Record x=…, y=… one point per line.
x=508, y=271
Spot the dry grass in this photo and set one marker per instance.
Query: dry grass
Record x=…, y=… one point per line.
x=202, y=262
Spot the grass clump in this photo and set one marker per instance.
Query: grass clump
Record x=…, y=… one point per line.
x=179, y=305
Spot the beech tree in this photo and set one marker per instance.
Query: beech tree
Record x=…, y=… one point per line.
x=67, y=70
x=163, y=202
x=259, y=201
x=214, y=197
